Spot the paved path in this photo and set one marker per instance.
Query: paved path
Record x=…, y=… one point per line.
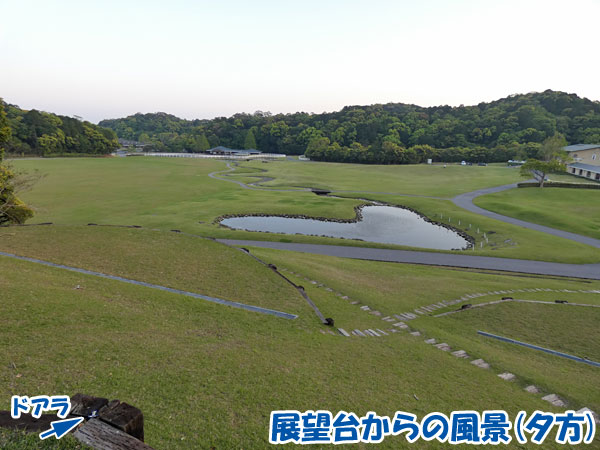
x=466, y=201
x=591, y=271
x=155, y=286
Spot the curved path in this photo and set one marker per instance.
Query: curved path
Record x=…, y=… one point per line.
x=465, y=201
x=590, y=271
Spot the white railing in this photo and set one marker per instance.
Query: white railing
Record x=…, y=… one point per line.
x=204, y=155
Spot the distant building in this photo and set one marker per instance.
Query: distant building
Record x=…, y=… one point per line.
x=586, y=160
x=220, y=150
x=125, y=143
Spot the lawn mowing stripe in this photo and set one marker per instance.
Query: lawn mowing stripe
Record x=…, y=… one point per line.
x=542, y=349
x=155, y=286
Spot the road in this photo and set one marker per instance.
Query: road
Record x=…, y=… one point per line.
x=466, y=201
x=591, y=271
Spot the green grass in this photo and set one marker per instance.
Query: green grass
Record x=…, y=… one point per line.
x=574, y=210
x=20, y=440
x=206, y=375
x=396, y=288
x=421, y=179
x=167, y=194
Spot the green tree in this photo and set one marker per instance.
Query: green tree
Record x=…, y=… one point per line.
x=12, y=210
x=539, y=169
x=250, y=141
x=553, y=148
x=4, y=130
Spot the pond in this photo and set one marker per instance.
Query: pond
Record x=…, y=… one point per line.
x=382, y=224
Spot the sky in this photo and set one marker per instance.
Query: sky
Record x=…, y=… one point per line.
x=102, y=59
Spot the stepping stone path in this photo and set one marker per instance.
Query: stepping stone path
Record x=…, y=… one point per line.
x=480, y=363
x=460, y=354
x=425, y=310
x=507, y=376
x=555, y=400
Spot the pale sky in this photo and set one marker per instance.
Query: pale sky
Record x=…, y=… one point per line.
x=200, y=59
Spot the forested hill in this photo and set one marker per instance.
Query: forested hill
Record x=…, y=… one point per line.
x=44, y=134
x=391, y=133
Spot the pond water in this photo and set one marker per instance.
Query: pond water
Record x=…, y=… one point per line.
x=382, y=224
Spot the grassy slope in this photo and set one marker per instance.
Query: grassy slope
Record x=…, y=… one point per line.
x=394, y=288
x=575, y=210
x=177, y=193
x=207, y=375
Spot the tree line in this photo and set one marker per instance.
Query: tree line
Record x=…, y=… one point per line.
x=39, y=133
x=510, y=128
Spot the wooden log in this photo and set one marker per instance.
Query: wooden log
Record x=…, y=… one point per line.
x=102, y=436
x=124, y=417
x=87, y=405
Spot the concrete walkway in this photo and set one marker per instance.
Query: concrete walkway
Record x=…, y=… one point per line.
x=466, y=201
x=591, y=271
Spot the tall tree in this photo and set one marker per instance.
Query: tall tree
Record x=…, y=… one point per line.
x=12, y=210
x=250, y=141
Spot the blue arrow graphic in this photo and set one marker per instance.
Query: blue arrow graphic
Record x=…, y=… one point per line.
x=61, y=427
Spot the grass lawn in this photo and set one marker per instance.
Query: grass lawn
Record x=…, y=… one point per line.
x=575, y=210
x=396, y=288
x=20, y=440
x=207, y=375
x=419, y=179
x=169, y=193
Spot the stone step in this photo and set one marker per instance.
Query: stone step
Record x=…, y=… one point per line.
x=401, y=325
x=507, y=376
x=460, y=354
x=343, y=332
x=532, y=389
x=430, y=341
x=480, y=363
x=555, y=400
x=443, y=346
x=359, y=333
x=416, y=333
x=373, y=332
x=594, y=415
x=381, y=331
x=365, y=308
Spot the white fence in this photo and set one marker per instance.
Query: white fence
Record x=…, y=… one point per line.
x=203, y=155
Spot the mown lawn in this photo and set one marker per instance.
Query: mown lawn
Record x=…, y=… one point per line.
x=207, y=375
x=419, y=179
x=574, y=210
x=167, y=194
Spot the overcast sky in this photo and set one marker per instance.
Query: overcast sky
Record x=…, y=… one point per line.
x=201, y=59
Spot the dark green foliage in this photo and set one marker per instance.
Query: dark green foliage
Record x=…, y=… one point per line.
x=44, y=134
x=394, y=133
x=561, y=184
